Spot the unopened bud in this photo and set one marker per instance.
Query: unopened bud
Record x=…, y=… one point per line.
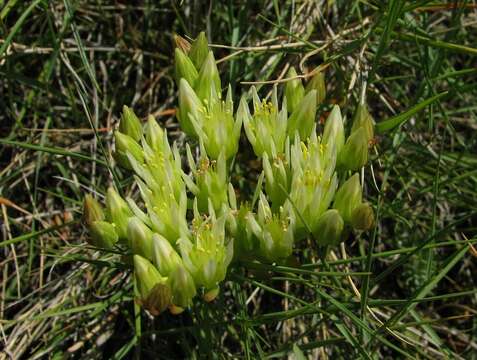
x=182, y=43
x=355, y=151
x=211, y=294
x=294, y=91
x=165, y=257
x=130, y=124
x=154, y=133
x=182, y=286
x=208, y=85
x=334, y=130
x=199, y=50
x=140, y=238
x=317, y=82
x=189, y=105
x=363, y=119
x=362, y=217
x=118, y=212
x=348, y=197
x=176, y=310
x=92, y=210
x=158, y=300
x=329, y=228
x=302, y=118
x=147, y=276
x=126, y=144
x=184, y=68
x=103, y=234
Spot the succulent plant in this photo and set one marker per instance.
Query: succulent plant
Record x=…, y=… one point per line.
x=187, y=227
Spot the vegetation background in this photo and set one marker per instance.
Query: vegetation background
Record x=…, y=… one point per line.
x=406, y=290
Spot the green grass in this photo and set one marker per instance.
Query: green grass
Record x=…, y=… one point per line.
x=405, y=290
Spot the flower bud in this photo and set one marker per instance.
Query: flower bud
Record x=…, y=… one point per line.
x=155, y=294
x=92, y=210
x=103, y=234
x=118, y=212
x=294, y=91
x=362, y=217
x=208, y=85
x=184, y=68
x=199, y=50
x=302, y=118
x=355, y=151
x=317, y=82
x=329, y=228
x=130, y=124
x=189, y=105
x=159, y=299
x=334, y=130
x=348, y=197
x=363, y=119
x=165, y=257
x=267, y=128
x=220, y=132
x=182, y=287
x=154, y=134
x=211, y=294
x=126, y=144
x=140, y=238
x=182, y=43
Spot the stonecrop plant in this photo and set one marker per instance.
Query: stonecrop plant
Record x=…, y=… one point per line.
x=188, y=226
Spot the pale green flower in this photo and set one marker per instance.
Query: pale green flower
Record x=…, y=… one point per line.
x=208, y=182
x=274, y=231
x=266, y=129
x=314, y=182
x=217, y=129
x=205, y=254
x=277, y=175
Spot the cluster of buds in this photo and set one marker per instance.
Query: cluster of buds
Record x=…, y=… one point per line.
x=187, y=227
x=202, y=112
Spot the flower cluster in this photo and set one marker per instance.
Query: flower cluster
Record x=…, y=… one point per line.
x=187, y=227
